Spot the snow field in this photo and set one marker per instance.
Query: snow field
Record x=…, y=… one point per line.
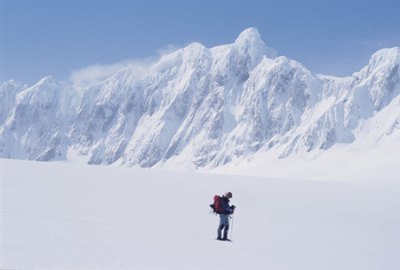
x=58, y=216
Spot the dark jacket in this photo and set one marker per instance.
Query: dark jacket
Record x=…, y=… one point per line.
x=226, y=208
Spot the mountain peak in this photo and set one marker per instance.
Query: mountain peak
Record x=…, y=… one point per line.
x=250, y=34
x=249, y=41
x=386, y=55
x=382, y=62
x=194, y=47
x=46, y=80
x=12, y=83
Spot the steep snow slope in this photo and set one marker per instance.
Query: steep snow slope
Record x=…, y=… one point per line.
x=68, y=216
x=36, y=128
x=8, y=92
x=201, y=108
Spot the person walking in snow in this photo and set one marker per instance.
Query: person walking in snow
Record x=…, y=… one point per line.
x=224, y=214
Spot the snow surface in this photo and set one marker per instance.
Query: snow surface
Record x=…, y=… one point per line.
x=70, y=216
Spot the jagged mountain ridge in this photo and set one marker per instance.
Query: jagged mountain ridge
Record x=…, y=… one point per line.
x=203, y=106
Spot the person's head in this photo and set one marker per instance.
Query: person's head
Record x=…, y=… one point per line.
x=228, y=195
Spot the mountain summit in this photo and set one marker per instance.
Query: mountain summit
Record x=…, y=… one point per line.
x=203, y=107
x=250, y=41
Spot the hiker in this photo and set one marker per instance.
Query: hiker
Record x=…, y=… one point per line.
x=225, y=211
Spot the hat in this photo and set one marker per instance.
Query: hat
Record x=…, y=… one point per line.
x=228, y=195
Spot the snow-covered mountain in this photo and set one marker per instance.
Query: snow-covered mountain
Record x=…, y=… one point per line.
x=202, y=107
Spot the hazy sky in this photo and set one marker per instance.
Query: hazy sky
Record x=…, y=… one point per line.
x=49, y=37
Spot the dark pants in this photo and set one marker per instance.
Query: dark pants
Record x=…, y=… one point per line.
x=223, y=225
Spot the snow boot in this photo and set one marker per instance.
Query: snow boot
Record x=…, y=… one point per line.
x=225, y=238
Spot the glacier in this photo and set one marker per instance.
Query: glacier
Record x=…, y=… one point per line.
x=202, y=108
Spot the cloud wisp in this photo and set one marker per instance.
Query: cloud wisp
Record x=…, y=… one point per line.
x=86, y=76
x=93, y=74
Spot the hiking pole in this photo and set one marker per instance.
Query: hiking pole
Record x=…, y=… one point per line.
x=233, y=216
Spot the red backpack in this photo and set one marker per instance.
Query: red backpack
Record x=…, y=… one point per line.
x=216, y=206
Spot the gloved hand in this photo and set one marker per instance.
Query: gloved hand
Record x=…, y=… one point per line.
x=233, y=208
